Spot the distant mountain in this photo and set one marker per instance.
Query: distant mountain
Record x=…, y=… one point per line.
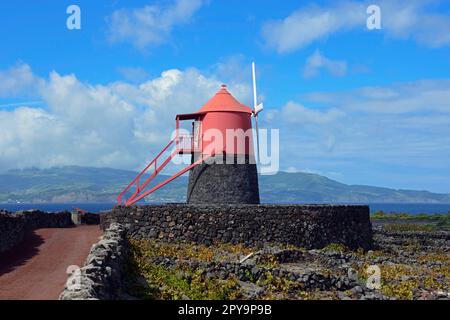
x=84, y=184
x=313, y=188
x=77, y=184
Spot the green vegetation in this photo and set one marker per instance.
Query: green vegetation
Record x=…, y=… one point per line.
x=399, y=280
x=84, y=184
x=402, y=227
x=428, y=222
x=164, y=283
x=150, y=279
x=76, y=184
x=276, y=286
x=405, y=216
x=178, y=282
x=268, y=260
x=184, y=274
x=189, y=251
x=338, y=247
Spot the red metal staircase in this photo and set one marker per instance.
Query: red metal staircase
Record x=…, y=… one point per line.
x=184, y=144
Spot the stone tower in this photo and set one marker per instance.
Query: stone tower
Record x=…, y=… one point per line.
x=230, y=174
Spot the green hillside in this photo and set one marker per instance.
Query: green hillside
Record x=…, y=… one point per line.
x=308, y=187
x=82, y=184
x=76, y=184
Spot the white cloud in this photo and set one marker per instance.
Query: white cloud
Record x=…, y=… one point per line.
x=293, y=169
x=395, y=135
x=298, y=114
x=400, y=20
x=422, y=96
x=370, y=133
x=308, y=24
x=119, y=125
x=133, y=74
x=414, y=19
x=234, y=68
x=24, y=131
x=19, y=79
x=317, y=61
x=151, y=24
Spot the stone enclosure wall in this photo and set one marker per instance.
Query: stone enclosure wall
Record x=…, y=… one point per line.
x=102, y=275
x=309, y=226
x=14, y=226
x=90, y=218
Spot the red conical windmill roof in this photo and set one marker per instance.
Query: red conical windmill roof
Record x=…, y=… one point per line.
x=224, y=101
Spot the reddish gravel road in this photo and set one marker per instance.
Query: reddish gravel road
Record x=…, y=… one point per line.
x=36, y=269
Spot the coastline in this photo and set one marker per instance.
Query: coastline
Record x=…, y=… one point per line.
x=409, y=208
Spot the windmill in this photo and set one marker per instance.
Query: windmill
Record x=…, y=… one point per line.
x=257, y=108
x=208, y=182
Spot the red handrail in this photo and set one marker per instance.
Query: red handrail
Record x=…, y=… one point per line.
x=186, y=141
x=134, y=200
x=139, y=187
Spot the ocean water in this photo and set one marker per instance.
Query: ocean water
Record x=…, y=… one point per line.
x=57, y=207
x=411, y=208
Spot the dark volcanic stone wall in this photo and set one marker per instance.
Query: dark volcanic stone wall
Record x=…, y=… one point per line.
x=224, y=183
x=90, y=218
x=309, y=226
x=13, y=226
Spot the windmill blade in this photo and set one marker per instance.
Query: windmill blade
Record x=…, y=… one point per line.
x=257, y=136
x=254, y=86
x=257, y=108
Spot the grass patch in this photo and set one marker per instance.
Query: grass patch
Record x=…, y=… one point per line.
x=439, y=218
x=405, y=227
x=148, y=280
x=189, y=251
x=338, y=247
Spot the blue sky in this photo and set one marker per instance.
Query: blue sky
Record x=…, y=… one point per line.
x=359, y=106
x=34, y=32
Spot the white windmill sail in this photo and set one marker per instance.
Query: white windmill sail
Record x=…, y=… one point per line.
x=257, y=108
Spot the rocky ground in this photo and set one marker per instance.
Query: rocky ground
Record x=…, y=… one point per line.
x=410, y=260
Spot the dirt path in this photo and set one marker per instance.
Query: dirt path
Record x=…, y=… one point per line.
x=36, y=269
